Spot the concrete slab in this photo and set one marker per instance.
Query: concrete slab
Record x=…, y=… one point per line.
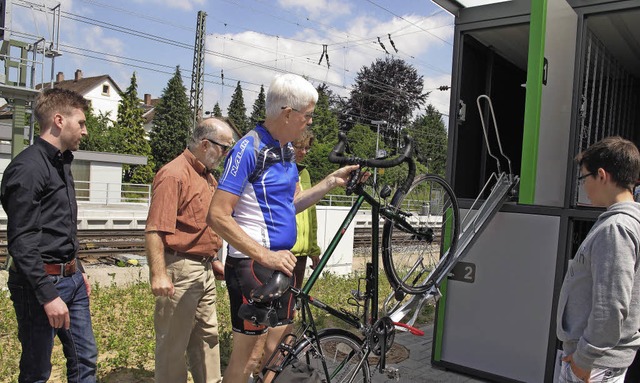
x=114, y=275
x=417, y=368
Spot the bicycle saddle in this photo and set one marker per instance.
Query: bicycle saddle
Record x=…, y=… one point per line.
x=273, y=289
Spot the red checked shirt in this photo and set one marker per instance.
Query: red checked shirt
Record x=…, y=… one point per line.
x=180, y=198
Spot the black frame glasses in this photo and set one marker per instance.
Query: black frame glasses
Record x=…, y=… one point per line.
x=308, y=116
x=583, y=177
x=305, y=148
x=224, y=147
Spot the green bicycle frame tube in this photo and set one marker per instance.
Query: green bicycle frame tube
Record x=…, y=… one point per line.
x=332, y=246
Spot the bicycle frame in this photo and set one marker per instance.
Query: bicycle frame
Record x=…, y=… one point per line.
x=369, y=319
x=370, y=306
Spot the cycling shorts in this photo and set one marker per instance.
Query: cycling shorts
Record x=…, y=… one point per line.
x=242, y=276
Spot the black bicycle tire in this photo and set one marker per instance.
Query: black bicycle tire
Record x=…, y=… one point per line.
x=345, y=337
x=387, y=241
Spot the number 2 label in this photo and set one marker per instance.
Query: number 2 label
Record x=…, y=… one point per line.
x=463, y=272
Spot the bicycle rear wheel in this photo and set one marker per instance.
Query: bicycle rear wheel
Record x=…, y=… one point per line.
x=342, y=352
x=426, y=225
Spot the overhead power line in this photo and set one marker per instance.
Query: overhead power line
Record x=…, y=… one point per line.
x=410, y=22
x=392, y=92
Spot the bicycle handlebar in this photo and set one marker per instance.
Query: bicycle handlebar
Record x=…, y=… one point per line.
x=337, y=155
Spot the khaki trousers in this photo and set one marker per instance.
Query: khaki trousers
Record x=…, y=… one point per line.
x=187, y=323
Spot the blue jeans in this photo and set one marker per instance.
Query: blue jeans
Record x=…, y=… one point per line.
x=36, y=335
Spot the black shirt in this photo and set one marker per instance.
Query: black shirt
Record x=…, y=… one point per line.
x=38, y=195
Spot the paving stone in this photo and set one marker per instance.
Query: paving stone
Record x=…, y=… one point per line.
x=417, y=368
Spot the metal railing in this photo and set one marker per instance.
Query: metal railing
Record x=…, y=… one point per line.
x=107, y=193
x=337, y=200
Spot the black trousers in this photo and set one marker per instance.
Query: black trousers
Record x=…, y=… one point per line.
x=633, y=372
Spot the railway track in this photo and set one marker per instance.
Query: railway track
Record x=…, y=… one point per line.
x=362, y=236
x=103, y=245
x=98, y=245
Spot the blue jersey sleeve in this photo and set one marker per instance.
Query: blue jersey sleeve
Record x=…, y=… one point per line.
x=239, y=164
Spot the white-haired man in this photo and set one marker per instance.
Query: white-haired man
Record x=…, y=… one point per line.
x=254, y=210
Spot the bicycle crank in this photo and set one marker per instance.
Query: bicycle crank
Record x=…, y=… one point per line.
x=382, y=333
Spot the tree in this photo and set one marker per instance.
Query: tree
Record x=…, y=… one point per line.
x=237, y=112
x=430, y=137
x=391, y=90
x=325, y=121
x=217, y=112
x=362, y=141
x=100, y=135
x=171, y=122
x=130, y=137
x=325, y=128
x=259, y=109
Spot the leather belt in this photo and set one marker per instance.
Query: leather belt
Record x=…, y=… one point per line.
x=198, y=258
x=64, y=269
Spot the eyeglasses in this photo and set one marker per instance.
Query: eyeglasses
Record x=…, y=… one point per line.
x=583, y=177
x=225, y=148
x=308, y=116
x=305, y=148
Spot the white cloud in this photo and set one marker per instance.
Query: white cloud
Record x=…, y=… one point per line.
x=264, y=57
x=95, y=39
x=349, y=50
x=185, y=5
x=324, y=9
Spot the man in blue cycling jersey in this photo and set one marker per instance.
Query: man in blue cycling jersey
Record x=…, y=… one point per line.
x=254, y=210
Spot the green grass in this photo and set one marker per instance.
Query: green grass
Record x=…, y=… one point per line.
x=123, y=324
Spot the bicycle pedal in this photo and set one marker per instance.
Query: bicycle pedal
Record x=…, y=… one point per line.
x=392, y=373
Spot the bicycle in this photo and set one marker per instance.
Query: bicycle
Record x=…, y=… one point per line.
x=421, y=211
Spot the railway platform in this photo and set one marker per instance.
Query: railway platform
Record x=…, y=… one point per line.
x=104, y=217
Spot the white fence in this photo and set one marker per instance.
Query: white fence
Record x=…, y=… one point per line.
x=108, y=193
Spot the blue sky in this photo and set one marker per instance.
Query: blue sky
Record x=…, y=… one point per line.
x=247, y=40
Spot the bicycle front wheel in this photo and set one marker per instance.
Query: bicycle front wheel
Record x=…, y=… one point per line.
x=426, y=224
x=341, y=351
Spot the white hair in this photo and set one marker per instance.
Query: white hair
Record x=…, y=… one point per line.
x=289, y=90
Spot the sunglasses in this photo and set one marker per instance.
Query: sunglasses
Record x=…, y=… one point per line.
x=224, y=147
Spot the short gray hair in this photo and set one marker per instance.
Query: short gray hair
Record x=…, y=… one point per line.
x=289, y=90
x=206, y=128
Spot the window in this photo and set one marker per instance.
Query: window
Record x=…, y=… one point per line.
x=105, y=89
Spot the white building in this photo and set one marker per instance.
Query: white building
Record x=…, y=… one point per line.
x=101, y=91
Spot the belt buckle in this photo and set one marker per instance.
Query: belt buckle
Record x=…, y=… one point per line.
x=63, y=269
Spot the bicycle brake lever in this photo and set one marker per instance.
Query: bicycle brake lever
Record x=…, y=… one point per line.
x=353, y=181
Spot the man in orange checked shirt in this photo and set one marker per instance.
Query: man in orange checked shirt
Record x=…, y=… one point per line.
x=183, y=263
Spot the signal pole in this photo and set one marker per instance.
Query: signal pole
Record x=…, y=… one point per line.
x=197, y=76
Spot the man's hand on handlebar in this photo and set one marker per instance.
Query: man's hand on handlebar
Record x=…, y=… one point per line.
x=342, y=176
x=282, y=260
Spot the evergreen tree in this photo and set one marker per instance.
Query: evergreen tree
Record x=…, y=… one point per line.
x=100, y=135
x=171, y=122
x=259, y=109
x=391, y=90
x=362, y=141
x=130, y=136
x=430, y=137
x=325, y=130
x=325, y=121
x=237, y=112
x=217, y=112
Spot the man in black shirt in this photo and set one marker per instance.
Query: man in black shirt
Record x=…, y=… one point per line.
x=49, y=290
